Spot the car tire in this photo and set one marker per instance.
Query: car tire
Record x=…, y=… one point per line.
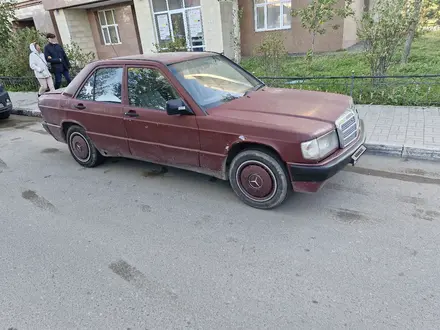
x=5, y=115
x=259, y=179
x=82, y=148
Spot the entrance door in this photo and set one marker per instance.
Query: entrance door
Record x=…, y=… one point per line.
x=179, y=19
x=178, y=25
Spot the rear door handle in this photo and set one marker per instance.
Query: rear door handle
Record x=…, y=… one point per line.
x=132, y=114
x=80, y=106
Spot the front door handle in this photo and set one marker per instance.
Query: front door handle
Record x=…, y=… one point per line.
x=80, y=106
x=131, y=113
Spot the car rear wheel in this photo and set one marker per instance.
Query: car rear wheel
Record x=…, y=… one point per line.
x=259, y=179
x=82, y=148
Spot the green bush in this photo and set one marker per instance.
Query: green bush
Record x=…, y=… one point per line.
x=271, y=53
x=14, y=58
x=178, y=45
x=77, y=57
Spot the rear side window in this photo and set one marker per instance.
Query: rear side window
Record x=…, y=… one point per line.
x=149, y=89
x=105, y=85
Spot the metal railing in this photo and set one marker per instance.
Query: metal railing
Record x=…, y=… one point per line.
x=19, y=84
x=411, y=90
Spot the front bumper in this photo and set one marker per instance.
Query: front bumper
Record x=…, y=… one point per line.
x=310, y=177
x=7, y=108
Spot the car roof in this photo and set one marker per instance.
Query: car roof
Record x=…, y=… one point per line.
x=165, y=58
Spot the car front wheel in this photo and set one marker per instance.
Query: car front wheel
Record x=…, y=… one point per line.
x=259, y=179
x=5, y=115
x=82, y=148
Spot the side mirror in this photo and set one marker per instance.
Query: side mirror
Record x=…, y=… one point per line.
x=177, y=107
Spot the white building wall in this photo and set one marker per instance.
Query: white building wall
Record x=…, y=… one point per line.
x=63, y=28
x=144, y=17
x=212, y=25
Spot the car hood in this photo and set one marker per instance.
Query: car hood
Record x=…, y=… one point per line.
x=277, y=104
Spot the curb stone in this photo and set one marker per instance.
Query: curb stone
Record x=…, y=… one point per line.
x=419, y=153
x=25, y=112
x=387, y=149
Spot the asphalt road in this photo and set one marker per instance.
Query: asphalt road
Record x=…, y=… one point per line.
x=125, y=247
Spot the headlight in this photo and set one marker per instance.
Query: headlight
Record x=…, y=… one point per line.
x=320, y=147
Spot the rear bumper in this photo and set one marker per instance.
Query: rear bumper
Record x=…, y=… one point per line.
x=310, y=178
x=55, y=131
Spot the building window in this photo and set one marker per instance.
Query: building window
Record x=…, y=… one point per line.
x=109, y=28
x=272, y=15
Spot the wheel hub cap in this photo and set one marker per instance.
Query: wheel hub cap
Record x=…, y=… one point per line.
x=256, y=181
x=79, y=147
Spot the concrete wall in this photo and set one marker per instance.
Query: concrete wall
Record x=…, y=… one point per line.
x=63, y=28
x=212, y=25
x=127, y=32
x=144, y=17
x=350, y=24
x=40, y=17
x=79, y=29
x=58, y=4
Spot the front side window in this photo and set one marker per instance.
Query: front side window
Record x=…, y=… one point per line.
x=213, y=80
x=149, y=89
x=272, y=14
x=105, y=85
x=109, y=27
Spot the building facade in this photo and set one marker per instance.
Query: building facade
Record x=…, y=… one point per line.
x=31, y=13
x=263, y=17
x=111, y=28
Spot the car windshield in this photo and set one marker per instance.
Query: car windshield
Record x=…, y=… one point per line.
x=213, y=80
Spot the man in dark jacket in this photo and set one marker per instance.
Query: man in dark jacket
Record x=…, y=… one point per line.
x=57, y=57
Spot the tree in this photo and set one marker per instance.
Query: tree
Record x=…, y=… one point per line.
x=318, y=13
x=7, y=16
x=383, y=29
x=414, y=20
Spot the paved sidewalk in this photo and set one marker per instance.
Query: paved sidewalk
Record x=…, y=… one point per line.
x=25, y=103
x=409, y=132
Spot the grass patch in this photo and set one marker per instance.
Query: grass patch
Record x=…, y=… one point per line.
x=424, y=60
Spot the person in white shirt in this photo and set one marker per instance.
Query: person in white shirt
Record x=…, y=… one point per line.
x=38, y=63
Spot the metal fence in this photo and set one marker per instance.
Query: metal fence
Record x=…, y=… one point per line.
x=15, y=84
x=411, y=90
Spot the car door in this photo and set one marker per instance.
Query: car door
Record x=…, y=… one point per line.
x=153, y=135
x=98, y=107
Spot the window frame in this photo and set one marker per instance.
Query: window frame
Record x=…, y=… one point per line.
x=92, y=74
x=264, y=5
x=143, y=67
x=106, y=27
